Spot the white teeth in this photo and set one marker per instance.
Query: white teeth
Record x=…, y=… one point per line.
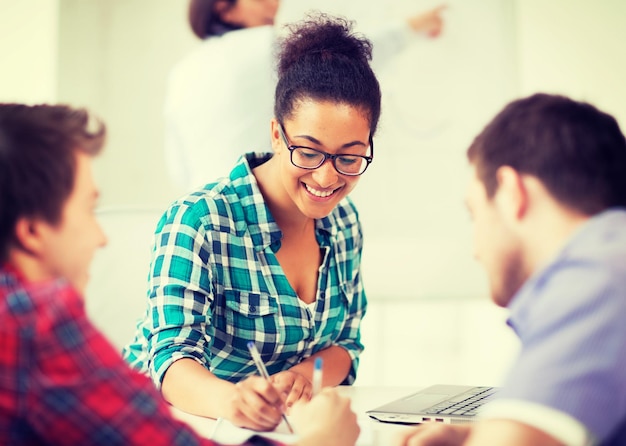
x=319, y=193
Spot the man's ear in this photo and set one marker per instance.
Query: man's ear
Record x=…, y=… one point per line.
x=512, y=195
x=29, y=234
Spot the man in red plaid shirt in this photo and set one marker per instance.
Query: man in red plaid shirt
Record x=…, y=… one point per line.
x=61, y=382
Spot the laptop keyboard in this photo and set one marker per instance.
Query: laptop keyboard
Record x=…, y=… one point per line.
x=464, y=404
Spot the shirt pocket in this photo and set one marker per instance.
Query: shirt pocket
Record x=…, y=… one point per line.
x=250, y=316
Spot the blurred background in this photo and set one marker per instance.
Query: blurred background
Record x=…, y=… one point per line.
x=429, y=318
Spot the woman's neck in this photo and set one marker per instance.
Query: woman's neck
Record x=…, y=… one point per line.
x=285, y=212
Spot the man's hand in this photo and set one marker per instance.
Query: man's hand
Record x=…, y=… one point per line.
x=326, y=420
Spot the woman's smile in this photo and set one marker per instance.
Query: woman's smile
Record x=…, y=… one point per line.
x=320, y=194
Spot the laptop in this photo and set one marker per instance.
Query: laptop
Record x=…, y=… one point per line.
x=440, y=403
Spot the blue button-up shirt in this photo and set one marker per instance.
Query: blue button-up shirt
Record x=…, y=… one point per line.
x=570, y=319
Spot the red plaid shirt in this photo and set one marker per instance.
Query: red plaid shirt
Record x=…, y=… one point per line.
x=62, y=383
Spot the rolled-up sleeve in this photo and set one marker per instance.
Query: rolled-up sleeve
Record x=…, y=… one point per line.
x=180, y=292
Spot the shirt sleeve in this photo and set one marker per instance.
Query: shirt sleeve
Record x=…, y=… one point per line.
x=573, y=351
x=180, y=293
x=388, y=41
x=80, y=391
x=350, y=336
x=559, y=425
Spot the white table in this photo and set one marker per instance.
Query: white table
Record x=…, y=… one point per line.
x=363, y=398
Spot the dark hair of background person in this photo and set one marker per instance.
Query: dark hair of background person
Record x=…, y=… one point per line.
x=38, y=162
x=205, y=22
x=322, y=59
x=577, y=151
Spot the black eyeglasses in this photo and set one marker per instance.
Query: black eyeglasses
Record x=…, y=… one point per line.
x=310, y=159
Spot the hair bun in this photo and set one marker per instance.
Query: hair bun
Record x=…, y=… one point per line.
x=322, y=36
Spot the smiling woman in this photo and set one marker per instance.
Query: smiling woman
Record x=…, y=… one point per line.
x=272, y=253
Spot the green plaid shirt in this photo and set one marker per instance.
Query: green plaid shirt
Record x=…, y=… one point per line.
x=215, y=284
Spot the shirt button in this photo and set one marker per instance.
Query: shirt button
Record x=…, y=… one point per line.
x=252, y=309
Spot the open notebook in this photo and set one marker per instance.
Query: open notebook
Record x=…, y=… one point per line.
x=439, y=403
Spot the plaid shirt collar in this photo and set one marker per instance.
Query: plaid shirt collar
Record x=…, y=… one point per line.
x=263, y=228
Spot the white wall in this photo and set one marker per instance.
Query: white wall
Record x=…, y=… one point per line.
x=429, y=316
x=575, y=47
x=115, y=56
x=28, y=45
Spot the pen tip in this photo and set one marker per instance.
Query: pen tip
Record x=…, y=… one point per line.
x=318, y=363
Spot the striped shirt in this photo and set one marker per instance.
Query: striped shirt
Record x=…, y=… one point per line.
x=215, y=284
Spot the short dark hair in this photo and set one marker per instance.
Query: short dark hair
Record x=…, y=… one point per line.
x=205, y=22
x=322, y=59
x=38, y=144
x=577, y=151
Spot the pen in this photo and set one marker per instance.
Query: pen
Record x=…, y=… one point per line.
x=258, y=362
x=317, y=376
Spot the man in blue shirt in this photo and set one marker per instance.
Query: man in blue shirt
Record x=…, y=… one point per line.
x=548, y=201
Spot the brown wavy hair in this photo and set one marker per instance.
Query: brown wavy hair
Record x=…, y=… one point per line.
x=38, y=144
x=205, y=22
x=577, y=151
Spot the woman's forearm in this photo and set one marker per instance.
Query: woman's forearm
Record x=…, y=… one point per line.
x=190, y=387
x=337, y=364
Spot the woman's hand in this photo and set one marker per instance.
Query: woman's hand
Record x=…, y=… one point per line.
x=255, y=404
x=292, y=386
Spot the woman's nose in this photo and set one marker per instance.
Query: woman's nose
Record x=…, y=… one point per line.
x=326, y=175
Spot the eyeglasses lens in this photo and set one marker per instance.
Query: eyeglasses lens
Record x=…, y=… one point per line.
x=311, y=159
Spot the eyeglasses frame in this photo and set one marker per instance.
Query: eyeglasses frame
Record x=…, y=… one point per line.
x=327, y=156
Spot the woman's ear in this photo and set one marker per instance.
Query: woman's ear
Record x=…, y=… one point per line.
x=277, y=141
